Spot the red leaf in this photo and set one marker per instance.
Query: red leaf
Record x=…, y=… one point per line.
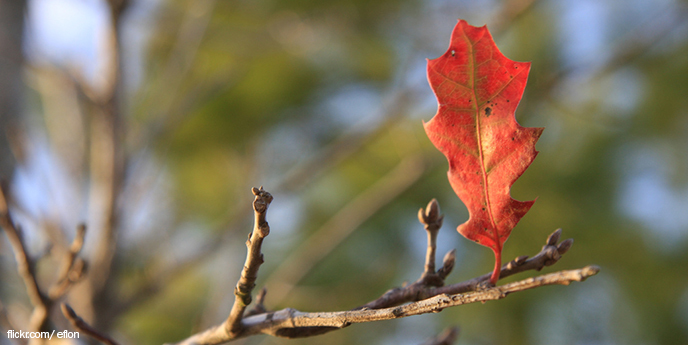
x=478, y=89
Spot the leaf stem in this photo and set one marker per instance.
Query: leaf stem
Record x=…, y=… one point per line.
x=497, y=268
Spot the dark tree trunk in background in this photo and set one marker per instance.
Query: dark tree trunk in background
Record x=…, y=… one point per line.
x=11, y=84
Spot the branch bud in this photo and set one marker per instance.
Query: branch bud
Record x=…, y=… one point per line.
x=521, y=260
x=447, y=264
x=431, y=217
x=554, y=237
x=564, y=246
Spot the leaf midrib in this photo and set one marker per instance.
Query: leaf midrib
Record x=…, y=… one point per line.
x=481, y=157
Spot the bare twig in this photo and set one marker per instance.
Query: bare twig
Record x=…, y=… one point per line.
x=447, y=337
x=25, y=267
x=254, y=258
x=290, y=323
x=313, y=249
x=73, y=267
x=432, y=221
x=425, y=297
x=82, y=326
x=549, y=255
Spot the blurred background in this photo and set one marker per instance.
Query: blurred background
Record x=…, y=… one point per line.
x=150, y=121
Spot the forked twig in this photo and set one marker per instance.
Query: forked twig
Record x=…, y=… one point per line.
x=73, y=267
x=25, y=267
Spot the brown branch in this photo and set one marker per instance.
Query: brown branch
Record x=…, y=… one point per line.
x=294, y=267
x=426, y=295
x=25, y=267
x=549, y=255
x=334, y=153
x=432, y=221
x=292, y=319
x=73, y=267
x=290, y=323
x=107, y=161
x=254, y=258
x=72, y=270
x=447, y=337
x=82, y=326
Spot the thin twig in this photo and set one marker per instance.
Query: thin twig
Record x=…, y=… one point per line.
x=254, y=258
x=432, y=222
x=25, y=267
x=425, y=298
x=73, y=267
x=290, y=323
x=82, y=326
x=292, y=319
x=549, y=255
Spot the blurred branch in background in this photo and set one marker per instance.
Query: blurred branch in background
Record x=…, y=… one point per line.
x=447, y=337
x=84, y=327
x=41, y=299
x=169, y=112
x=26, y=268
x=106, y=172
